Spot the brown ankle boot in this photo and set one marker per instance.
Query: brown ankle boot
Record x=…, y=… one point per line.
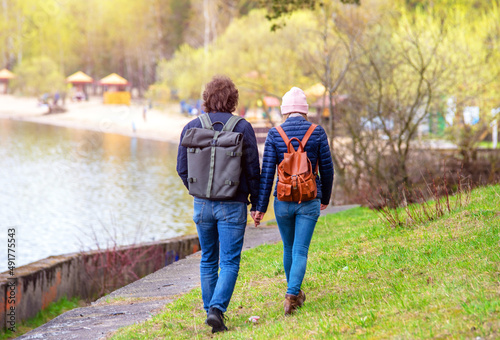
x=291, y=303
x=301, y=298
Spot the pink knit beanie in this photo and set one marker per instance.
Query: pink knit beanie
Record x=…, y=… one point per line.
x=294, y=101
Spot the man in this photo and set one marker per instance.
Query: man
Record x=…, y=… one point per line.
x=221, y=223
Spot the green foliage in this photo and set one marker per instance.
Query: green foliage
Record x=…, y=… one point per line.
x=279, y=8
x=131, y=37
x=473, y=5
x=392, y=61
x=438, y=280
x=158, y=93
x=253, y=60
x=177, y=21
x=184, y=72
x=475, y=76
x=37, y=76
x=99, y=37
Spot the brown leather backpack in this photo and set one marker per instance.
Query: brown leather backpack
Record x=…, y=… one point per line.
x=296, y=179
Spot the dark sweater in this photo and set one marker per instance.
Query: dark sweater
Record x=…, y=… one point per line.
x=250, y=174
x=317, y=151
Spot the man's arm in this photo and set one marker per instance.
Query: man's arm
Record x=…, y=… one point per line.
x=251, y=164
x=182, y=166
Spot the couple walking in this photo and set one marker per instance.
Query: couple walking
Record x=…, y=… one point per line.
x=220, y=213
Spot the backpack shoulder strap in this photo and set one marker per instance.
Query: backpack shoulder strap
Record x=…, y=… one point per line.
x=283, y=134
x=206, y=123
x=306, y=138
x=308, y=134
x=231, y=123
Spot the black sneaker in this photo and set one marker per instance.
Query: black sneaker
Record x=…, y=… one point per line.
x=215, y=319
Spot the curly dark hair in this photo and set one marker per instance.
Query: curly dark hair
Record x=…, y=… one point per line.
x=220, y=95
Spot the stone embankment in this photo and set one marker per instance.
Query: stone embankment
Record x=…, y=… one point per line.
x=85, y=275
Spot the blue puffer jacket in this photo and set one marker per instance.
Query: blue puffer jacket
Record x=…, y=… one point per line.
x=317, y=150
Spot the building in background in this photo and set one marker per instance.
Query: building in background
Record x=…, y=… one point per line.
x=115, y=90
x=79, y=81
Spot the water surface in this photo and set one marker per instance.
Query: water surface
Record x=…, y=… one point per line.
x=66, y=190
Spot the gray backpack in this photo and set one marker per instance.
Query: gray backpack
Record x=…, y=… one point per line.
x=214, y=159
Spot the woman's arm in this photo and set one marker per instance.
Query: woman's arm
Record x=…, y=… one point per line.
x=325, y=168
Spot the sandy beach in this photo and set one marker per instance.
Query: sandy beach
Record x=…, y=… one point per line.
x=163, y=125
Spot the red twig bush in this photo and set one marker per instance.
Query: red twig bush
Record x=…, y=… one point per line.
x=415, y=206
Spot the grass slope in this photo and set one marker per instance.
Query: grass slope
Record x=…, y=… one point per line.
x=364, y=280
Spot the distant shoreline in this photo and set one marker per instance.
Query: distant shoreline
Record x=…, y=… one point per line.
x=70, y=125
x=164, y=126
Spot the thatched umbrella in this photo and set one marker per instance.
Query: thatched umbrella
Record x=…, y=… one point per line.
x=114, y=80
x=80, y=80
x=5, y=76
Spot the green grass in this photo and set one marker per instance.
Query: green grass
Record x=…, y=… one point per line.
x=44, y=316
x=364, y=280
x=486, y=145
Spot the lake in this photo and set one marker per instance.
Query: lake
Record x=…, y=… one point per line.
x=66, y=190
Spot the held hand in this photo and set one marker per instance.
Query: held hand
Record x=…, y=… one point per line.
x=257, y=217
x=260, y=216
x=323, y=206
x=254, y=217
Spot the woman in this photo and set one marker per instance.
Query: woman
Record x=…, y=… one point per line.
x=296, y=220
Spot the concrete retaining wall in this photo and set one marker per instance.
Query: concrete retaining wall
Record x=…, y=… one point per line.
x=85, y=275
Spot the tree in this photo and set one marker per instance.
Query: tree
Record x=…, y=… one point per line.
x=253, y=60
x=277, y=9
x=475, y=85
x=124, y=36
x=37, y=76
x=392, y=88
x=334, y=49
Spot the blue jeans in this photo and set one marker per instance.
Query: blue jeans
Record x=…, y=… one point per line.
x=296, y=223
x=221, y=228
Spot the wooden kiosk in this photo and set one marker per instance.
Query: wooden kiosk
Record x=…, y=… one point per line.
x=115, y=90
